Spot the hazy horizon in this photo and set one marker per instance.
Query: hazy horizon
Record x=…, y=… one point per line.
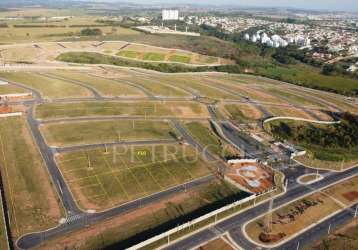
x=334, y=5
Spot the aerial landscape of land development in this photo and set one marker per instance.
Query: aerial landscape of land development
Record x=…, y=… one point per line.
x=196, y=125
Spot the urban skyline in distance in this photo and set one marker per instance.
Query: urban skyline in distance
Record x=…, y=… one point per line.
x=331, y=5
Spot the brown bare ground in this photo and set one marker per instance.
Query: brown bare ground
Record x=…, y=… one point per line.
x=288, y=111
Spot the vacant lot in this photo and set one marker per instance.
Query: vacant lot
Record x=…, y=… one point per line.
x=179, y=58
x=298, y=215
x=77, y=133
x=156, y=87
x=289, y=112
x=11, y=89
x=48, y=87
x=196, y=85
x=243, y=112
x=206, y=137
x=28, y=31
x=106, y=87
x=294, y=97
x=99, y=180
x=140, y=108
x=33, y=204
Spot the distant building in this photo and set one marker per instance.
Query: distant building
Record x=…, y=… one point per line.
x=170, y=15
x=247, y=37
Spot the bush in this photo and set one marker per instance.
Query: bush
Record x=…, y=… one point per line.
x=91, y=32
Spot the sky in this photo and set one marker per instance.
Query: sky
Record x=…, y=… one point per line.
x=344, y=5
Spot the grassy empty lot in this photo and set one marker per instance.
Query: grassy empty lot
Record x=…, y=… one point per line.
x=128, y=53
x=156, y=87
x=288, y=111
x=177, y=109
x=180, y=58
x=255, y=93
x=127, y=173
x=243, y=112
x=153, y=56
x=49, y=88
x=11, y=89
x=33, y=204
x=194, y=84
x=77, y=133
x=295, y=97
x=61, y=29
x=106, y=87
x=307, y=211
x=206, y=137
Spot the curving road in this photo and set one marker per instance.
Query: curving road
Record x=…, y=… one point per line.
x=234, y=224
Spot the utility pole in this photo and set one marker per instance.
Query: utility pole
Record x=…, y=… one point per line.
x=329, y=229
x=356, y=212
x=298, y=245
x=268, y=221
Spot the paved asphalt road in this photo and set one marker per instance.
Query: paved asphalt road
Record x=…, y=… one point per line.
x=234, y=224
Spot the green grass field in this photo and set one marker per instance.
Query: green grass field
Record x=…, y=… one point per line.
x=128, y=53
x=77, y=133
x=33, y=204
x=206, y=137
x=49, y=88
x=106, y=87
x=11, y=89
x=195, y=84
x=156, y=87
x=140, y=108
x=180, y=59
x=128, y=173
x=153, y=56
x=295, y=97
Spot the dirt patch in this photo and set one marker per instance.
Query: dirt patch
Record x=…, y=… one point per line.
x=351, y=196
